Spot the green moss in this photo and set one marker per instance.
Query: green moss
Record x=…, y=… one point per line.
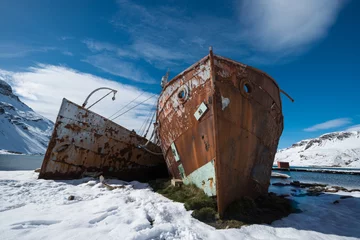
x=265, y=209
x=200, y=201
x=192, y=197
x=206, y=214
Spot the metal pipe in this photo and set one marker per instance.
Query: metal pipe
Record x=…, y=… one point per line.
x=101, y=88
x=291, y=99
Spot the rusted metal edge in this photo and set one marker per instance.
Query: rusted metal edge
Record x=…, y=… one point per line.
x=185, y=71
x=257, y=70
x=216, y=134
x=244, y=65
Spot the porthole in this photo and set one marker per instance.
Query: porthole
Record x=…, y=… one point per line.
x=183, y=94
x=246, y=88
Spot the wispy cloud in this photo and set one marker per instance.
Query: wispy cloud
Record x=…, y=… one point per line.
x=98, y=47
x=290, y=26
x=19, y=50
x=354, y=128
x=65, y=38
x=119, y=68
x=272, y=30
x=329, y=124
x=67, y=53
x=42, y=87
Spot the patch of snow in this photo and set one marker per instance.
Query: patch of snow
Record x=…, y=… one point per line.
x=279, y=175
x=39, y=209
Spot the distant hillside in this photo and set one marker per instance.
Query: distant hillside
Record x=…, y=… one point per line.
x=21, y=129
x=338, y=149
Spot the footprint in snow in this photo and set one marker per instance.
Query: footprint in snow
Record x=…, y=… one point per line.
x=33, y=224
x=110, y=211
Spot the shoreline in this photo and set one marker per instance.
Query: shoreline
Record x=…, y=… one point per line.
x=319, y=170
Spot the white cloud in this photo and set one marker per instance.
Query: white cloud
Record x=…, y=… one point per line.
x=354, y=128
x=287, y=25
x=261, y=32
x=43, y=87
x=329, y=124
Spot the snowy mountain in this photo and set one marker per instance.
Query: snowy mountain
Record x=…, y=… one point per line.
x=21, y=129
x=338, y=149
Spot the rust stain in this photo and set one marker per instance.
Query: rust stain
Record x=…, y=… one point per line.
x=96, y=144
x=242, y=140
x=73, y=127
x=211, y=182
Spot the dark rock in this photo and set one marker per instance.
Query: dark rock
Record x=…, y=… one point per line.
x=284, y=195
x=5, y=88
x=312, y=142
x=331, y=190
x=336, y=202
x=345, y=197
x=71, y=197
x=279, y=184
x=354, y=190
x=295, y=183
x=314, y=194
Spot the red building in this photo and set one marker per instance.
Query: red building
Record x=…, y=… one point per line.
x=283, y=164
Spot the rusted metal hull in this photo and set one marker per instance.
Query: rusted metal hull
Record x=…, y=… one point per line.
x=223, y=133
x=84, y=142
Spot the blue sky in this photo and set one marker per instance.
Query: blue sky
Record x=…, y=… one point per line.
x=310, y=47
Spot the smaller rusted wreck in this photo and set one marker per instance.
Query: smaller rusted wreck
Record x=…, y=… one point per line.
x=85, y=143
x=219, y=124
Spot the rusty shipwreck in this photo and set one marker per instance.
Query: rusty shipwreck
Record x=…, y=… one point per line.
x=85, y=143
x=219, y=124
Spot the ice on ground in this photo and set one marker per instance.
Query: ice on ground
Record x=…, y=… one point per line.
x=40, y=209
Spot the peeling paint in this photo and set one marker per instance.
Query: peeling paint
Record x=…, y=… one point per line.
x=84, y=141
x=203, y=177
x=225, y=102
x=226, y=153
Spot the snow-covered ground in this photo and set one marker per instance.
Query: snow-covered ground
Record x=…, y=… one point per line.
x=337, y=149
x=40, y=209
x=6, y=152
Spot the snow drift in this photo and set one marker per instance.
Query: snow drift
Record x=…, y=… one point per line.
x=32, y=208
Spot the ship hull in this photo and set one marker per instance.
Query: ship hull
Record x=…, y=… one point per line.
x=85, y=143
x=219, y=126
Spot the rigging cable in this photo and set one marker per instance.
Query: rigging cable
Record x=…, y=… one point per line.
x=127, y=105
x=149, y=119
x=133, y=107
x=99, y=100
x=144, y=124
x=152, y=118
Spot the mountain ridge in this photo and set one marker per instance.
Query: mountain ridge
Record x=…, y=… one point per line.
x=22, y=130
x=336, y=149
